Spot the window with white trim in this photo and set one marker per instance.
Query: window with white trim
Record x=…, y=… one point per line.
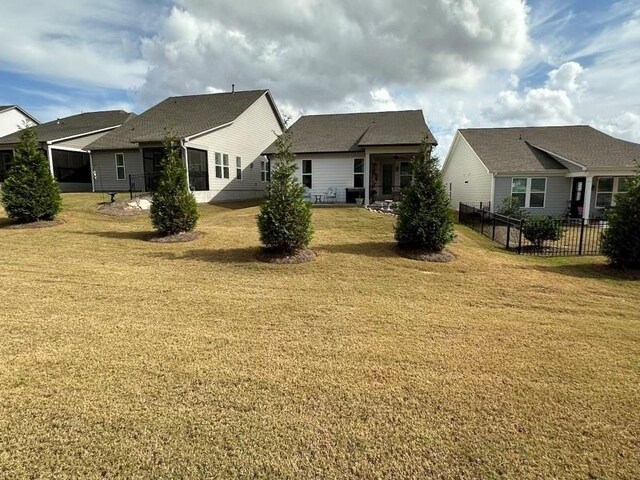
x=225, y=165
x=607, y=188
x=120, y=170
x=530, y=192
x=264, y=171
x=218, y=158
x=307, y=173
x=238, y=168
x=358, y=173
x=405, y=174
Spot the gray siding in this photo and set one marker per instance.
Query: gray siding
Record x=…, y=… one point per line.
x=80, y=143
x=556, y=201
x=464, y=174
x=104, y=166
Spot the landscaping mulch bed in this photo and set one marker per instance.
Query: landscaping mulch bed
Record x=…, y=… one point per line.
x=121, y=209
x=178, y=237
x=444, y=256
x=301, y=256
x=38, y=224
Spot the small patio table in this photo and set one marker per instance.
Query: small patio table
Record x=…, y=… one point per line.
x=318, y=198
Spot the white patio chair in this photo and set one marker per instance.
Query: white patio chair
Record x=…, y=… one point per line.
x=331, y=195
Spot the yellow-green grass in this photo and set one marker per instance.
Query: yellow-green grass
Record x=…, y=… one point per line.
x=120, y=357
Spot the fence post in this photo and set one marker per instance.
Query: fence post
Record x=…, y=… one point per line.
x=508, y=232
x=473, y=218
x=130, y=188
x=460, y=213
x=481, y=219
x=520, y=238
x=581, y=237
x=493, y=233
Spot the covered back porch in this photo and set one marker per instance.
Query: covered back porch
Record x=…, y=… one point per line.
x=389, y=174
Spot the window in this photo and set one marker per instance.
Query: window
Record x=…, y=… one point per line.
x=604, y=194
x=120, y=173
x=238, y=168
x=306, y=173
x=358, y=173
x=225, y=165
x=405, y=174
x=530, y=192
x=607, y=188
x=198, y=169
x=6, y=156
x=265, y=170
x=71, y=167
x=218, y=158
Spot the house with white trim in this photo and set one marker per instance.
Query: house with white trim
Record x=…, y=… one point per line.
x=573, y=171
x=13, y=118
x=222, y=137
x=345, y=157
x=65, y=141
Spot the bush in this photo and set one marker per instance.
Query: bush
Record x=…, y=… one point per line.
x=30, y=193
x=621, y=240
x=284, y=221
x=174, y=208
x=540, y=229
x=510, y=207
x=424, y=221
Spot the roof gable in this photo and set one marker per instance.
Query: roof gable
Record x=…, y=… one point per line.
x=182, y=116
x=352, y=132
x=534, y=149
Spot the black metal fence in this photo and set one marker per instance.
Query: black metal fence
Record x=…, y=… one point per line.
x=574, y=236
x=143, y=183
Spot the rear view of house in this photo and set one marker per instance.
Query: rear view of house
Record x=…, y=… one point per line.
x=65, y=141
x=343, y=157
x=570, y=171
x=222, y=137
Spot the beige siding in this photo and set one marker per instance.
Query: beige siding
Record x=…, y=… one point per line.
x=465, y=175
x=12, y=121
x=80, y=142
x=329, y=170
x=247, y=137
x=104, y=166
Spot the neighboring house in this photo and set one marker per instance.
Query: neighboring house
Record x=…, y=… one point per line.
x=65, y=141
x=357, y=155
x=572, y=170
x=222, y=138
x=13, y=118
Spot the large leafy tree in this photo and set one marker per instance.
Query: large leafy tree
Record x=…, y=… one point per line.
x=424, y=221
x=621, y=240
x=173, y=209
x=30, y=193
x=284, y=221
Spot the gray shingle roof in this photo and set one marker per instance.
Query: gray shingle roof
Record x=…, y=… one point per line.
x=523, y=149
x=183, y=116
x=5, y=107
x=73, y=125
x=351, y=132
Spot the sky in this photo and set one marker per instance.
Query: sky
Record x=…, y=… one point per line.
x=465, y=63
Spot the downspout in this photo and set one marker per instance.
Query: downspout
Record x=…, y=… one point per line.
x=93, y=173
x=186, y=161
x=493, y=192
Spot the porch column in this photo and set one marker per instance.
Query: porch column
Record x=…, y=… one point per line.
x=50, y=157
x=586, y=208
x=367, y=175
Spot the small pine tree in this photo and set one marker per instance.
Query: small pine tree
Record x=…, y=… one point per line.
x=621, y=240
x=174, y=208
x=30, y=193
x=284, y=221
x=424, y=221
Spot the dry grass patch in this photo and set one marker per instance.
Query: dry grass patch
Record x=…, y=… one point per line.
x=126, y=358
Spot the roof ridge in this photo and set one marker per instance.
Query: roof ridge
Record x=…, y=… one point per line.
x=359, y=113
x=263, y=90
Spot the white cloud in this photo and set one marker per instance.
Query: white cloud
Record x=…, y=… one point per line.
x=568, y=77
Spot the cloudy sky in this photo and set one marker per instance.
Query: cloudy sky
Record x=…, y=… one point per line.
x=466, y=63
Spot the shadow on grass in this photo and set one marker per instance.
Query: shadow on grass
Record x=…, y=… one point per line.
x=124, y=235
x=5, y=222
x=365, y=249
x=237, y=205
x=229, y=255
x=590, y=270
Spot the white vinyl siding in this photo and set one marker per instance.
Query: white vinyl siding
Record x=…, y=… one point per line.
x=329, y=170
x=467, y=178
x=249, y=135
x=12, y=121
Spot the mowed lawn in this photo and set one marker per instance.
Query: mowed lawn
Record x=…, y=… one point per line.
x=121, y=357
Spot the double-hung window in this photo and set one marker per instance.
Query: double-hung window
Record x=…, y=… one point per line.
x=307, y=173
x=530, y=192
x=218, y=157
x=405, y=174
x=238, y=168
x=264, y=171
x=358, y=173
x=607, y=188
x=120, y=173
x=225, y=165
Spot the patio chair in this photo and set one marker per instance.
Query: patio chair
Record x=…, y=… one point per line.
x=331, y=195
x=307, y=194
